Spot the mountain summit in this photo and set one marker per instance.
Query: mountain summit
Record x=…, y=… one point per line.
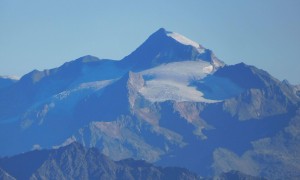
x=170, y=102
x=164, y=47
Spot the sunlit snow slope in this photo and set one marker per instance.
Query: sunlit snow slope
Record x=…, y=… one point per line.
x=171, y=81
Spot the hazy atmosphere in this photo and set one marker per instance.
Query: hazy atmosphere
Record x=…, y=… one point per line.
x=44, y=34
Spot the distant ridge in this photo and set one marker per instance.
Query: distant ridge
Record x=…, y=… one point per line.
x=75, y=162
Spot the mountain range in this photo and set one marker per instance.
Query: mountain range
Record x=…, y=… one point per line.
x=170, y=102
x=76, y=162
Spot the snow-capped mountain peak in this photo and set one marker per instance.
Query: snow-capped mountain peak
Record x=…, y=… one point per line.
x=164, y=47
x=186, y=41
x=6, y=81
x=15, y=78
x=179, y=38
x=166, y=103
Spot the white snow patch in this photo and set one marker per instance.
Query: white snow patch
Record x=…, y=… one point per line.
x=36, y=147
x=69, y=141
x=186, y=41
x=96, y=85
x=11, y=77
x=171, y=81
x=162, y=90
x=183, y=71
x=93, y=86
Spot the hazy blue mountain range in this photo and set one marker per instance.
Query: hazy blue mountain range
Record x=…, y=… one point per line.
x=76, y=162
x=170, y=102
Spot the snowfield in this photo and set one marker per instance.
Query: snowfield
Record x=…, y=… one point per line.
x=171, y=81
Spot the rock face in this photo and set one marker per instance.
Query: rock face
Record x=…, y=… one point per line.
x=76, y=162
x=171, y=102
x=5, y=176
x=235, y=175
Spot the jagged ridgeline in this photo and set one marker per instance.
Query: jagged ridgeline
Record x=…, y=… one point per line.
x=76, y=162
x=171, y=102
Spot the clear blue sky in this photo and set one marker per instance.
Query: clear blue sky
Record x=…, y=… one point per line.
x=41, y=34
